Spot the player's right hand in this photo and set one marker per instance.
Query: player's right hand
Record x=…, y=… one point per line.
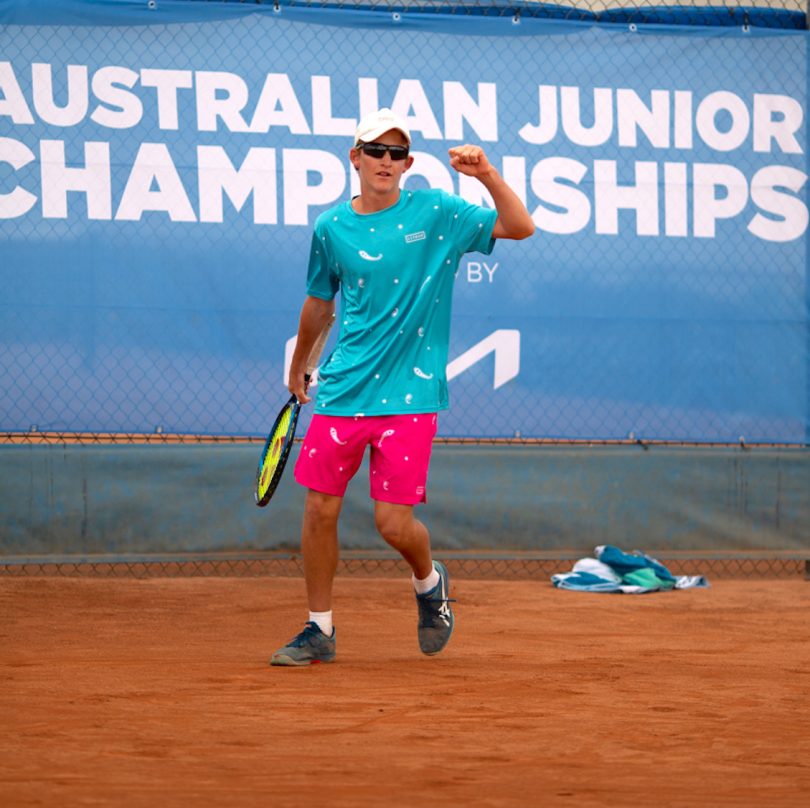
x=298, y=387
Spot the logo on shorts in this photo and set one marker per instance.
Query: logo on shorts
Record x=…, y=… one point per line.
x=334, y=435
x=420, y=489
x=419, y=236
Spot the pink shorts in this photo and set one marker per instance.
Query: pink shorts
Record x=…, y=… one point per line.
x=400, y=455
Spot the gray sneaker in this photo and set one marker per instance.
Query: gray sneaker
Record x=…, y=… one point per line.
x=310, y=647
x=435, y=614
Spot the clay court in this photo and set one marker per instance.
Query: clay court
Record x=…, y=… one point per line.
x=157, y=692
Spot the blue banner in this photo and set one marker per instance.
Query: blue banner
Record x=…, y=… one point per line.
x=160, y=172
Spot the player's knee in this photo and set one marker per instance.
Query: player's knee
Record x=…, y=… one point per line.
x=321, y=510
x=392, y=527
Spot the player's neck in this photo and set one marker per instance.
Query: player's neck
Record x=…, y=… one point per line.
x=371, y=202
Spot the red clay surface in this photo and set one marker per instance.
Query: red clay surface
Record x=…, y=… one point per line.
x=158, y=693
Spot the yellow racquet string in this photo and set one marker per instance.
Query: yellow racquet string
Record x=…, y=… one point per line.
x=274, y=455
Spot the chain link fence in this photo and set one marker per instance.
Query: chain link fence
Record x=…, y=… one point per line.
x=466, y=566
x=161, y=166
x=159, y=182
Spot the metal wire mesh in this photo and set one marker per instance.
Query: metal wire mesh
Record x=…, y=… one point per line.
x=491, y=566
x=35, y=437
x=123, y=380
x=110, y=365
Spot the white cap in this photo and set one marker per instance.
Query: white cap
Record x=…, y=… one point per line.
x=378, y=123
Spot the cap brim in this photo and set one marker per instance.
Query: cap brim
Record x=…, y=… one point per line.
x=375, y=133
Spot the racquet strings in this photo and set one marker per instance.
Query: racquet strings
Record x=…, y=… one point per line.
x=275, y=450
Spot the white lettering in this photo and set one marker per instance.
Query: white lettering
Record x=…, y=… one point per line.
x=477, y=270
x=546, y=130
x=278, y=106
x=683, y=119
x=75, y=108
x=299, y=195
x=411, y=95
x=322, y=121
x=221, y=95
x=107, y=87
x=675, y=199
x=93, y=180
x=257, y=176
x=513, y=171
x=167, y=83
x=707, y=178
x=431, y=169
x=369, y=96
x=552, y=180
x=793, y=213
x=633, y=114
x=18, y=201
x=706, y=123
x=602, y=127
x=12, y=104
x=460, y=106
x=781, y=129
x=641, y=197
x=154, y=166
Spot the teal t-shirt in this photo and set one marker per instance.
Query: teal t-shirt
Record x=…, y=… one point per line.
x=395, y=271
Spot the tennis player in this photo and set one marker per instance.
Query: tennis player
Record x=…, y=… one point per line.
x=393, y=256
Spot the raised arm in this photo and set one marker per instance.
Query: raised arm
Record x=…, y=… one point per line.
x=513, y=220
x=315, y=313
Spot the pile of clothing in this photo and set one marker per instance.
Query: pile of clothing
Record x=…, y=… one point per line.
x=613, y=570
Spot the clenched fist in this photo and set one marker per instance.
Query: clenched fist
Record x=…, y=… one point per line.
x=469, y=160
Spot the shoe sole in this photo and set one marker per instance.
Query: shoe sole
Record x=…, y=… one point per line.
x=284, y=661
x=447, y=640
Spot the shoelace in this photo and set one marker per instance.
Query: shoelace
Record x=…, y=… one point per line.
x=310, y=630
x=436, y=600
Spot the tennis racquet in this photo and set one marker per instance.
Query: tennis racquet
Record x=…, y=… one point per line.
x=280, y=440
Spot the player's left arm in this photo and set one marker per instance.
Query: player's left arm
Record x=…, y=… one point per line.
x=514, y=221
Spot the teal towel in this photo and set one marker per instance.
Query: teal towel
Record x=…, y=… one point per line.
x=613, y=570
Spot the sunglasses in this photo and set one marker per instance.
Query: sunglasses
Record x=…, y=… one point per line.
x=378, y=150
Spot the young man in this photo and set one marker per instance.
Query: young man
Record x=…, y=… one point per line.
x=393, y=256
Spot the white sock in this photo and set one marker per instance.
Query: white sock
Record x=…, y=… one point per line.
x=323, y=620
x=426, y=584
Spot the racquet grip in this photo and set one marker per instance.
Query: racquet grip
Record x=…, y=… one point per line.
x=317, y=348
